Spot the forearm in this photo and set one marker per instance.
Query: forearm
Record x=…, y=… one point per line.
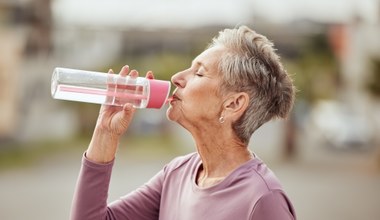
x=103, y=147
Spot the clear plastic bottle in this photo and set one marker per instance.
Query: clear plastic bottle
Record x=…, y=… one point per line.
x=109, y=89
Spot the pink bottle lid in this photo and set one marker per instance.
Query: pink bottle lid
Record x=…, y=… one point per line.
x=158, y=93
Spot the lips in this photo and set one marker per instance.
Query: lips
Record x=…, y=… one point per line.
x=175, y=97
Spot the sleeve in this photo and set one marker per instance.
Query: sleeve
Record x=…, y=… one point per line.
x=143, y=203
x=90, y=196
x=273, y=206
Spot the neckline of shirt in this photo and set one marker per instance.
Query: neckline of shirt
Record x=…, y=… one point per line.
x=226, y=181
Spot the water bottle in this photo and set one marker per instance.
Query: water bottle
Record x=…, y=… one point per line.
x=108, y=89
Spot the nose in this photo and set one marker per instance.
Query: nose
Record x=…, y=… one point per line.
x=178, y=79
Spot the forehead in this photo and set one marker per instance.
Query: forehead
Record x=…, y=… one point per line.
x=210, y=57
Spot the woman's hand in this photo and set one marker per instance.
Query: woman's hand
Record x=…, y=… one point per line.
x=112, y=123
x=115, y=120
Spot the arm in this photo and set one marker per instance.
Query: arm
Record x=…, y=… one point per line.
x=90, y=198
x=143, y=203
x=273, y=206
x=92, y=188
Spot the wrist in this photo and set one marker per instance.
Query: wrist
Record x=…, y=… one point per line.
x=103, y=147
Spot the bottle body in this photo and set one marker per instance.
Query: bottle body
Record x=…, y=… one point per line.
x=108, y=89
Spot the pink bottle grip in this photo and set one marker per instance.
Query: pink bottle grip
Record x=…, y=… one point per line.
x=158, y=93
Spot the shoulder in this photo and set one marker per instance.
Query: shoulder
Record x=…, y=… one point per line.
x=255, y=181
x=181, y=161
x=269, y=199
x=273, y=205
x=258, y=172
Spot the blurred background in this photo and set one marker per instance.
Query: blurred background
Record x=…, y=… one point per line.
x=327, y=154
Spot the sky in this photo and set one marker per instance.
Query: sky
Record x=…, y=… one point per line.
x=184, y=13
x=318, y=10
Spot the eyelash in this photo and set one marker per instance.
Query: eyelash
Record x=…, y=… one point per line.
x=197, y=73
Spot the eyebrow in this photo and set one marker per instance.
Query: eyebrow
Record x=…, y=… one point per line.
x=199, y=63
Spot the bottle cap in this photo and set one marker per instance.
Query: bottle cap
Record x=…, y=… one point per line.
x=158, y=93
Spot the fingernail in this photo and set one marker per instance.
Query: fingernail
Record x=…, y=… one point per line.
x=134, y=72
x=150, y=75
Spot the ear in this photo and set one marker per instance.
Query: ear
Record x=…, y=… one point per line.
x=235, y=105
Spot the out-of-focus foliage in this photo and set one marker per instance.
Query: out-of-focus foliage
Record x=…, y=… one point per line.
x=315, y=69
x=163, y=65
x=373, y=83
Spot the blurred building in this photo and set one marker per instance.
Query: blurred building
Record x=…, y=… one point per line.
x=12, y=45
x=37, y=35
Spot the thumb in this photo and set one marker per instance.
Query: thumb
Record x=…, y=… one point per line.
x=128, y=111
x=128, y=107
x=124, y=119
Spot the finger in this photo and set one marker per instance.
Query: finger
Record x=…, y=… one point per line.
x=134, y=74
x=124, y=71
x=110, y=87
x=149, y=75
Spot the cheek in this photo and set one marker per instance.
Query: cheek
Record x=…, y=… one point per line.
x=202, y=92
x=200, y=101
x=203, y=101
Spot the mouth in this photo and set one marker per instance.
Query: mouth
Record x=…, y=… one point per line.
x=174, y=98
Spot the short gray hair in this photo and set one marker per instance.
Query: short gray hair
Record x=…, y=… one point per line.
x=251, y=65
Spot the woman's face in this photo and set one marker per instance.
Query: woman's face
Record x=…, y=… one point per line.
x=196, y=99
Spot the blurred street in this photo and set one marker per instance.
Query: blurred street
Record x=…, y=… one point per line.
x=321, y=186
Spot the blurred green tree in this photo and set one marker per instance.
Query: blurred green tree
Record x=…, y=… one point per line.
x=373, y=82
x=315, y=69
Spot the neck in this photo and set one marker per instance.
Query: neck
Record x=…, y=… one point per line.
x=221, y=153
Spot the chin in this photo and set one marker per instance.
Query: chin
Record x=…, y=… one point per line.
x=170, y=115
x=174, y=114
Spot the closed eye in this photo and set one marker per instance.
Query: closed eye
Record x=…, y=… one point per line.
x=198, y=74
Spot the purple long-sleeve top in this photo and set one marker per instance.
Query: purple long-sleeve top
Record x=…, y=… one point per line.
x=250, y=192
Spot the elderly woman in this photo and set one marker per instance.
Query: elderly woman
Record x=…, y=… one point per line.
x=229, y=91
